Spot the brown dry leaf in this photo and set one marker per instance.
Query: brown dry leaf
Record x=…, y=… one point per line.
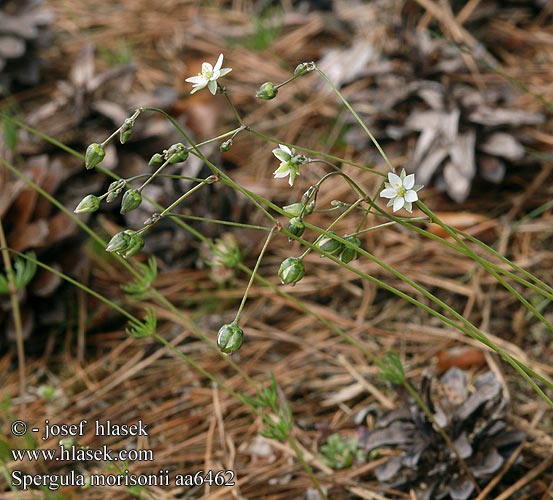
x=346, y=65
x=466, y=221
x=461, y=357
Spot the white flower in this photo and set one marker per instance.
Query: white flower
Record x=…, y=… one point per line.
x=290, y=163
x=209, y=75
x=401, y=190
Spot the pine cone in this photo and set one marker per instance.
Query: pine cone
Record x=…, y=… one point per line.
x=23, y=32
x=473, y=420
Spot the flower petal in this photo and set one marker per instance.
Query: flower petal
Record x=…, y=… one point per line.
x=293, y=173
x=219, y=63
x=388, y=193
x=398, y=203
x=286, y=149
x=195, y=79
x=224, y=71
x=411, y=196
x=282, y=171
x=408, y=206
x=409, y=181
x=207, y=69
x=395, y=180
x=212, y=86
x=281, y=155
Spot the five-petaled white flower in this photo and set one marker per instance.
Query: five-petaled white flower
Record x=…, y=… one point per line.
x=290, y=163
x=208, y=77
x=401, y=190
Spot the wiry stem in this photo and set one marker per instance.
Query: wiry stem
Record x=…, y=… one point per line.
x=16, y=313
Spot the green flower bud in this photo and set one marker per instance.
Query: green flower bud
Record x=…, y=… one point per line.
x=119, y=242
x=125, y=131
x=95, y=153
x=114, y=190
x=295, y=209
x=225, y=146
x=296, y=226
x=176, y=153
x=307, y=197
x=349, y=254
x=291, y=271
x=230, y=338
x=88, y=204
x=131, y=200
x=267, y=91
x=136, y=243
x=179, y=157
x=303, y=68
x=329, y=245
x=156, y=160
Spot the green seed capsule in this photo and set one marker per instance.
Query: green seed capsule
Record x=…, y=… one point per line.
x=330, y=245
x=119, y=242
x=126, y=130
x=230, y=338
x=95, y=153
x=349, y=254
x=131, y=200
x=225, y=146
x=295, y=209
x=291, y=271
x=88, y=204
x=303, y=68
x=267, y=91
x=296, y=226
x=176, y=153
x=179, y=157
x=156, y=160
x=136, y=243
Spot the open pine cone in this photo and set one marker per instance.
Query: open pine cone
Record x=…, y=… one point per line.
x=23, y=32
x=474, y=420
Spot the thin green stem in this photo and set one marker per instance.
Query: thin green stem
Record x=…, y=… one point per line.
x=223, y=90
x=489, y=267
x=178, y=201
x=220, y=222
x=356, y=116
x=299, y=455
x=74, y=282
x=254, y=272
x=16, y=314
